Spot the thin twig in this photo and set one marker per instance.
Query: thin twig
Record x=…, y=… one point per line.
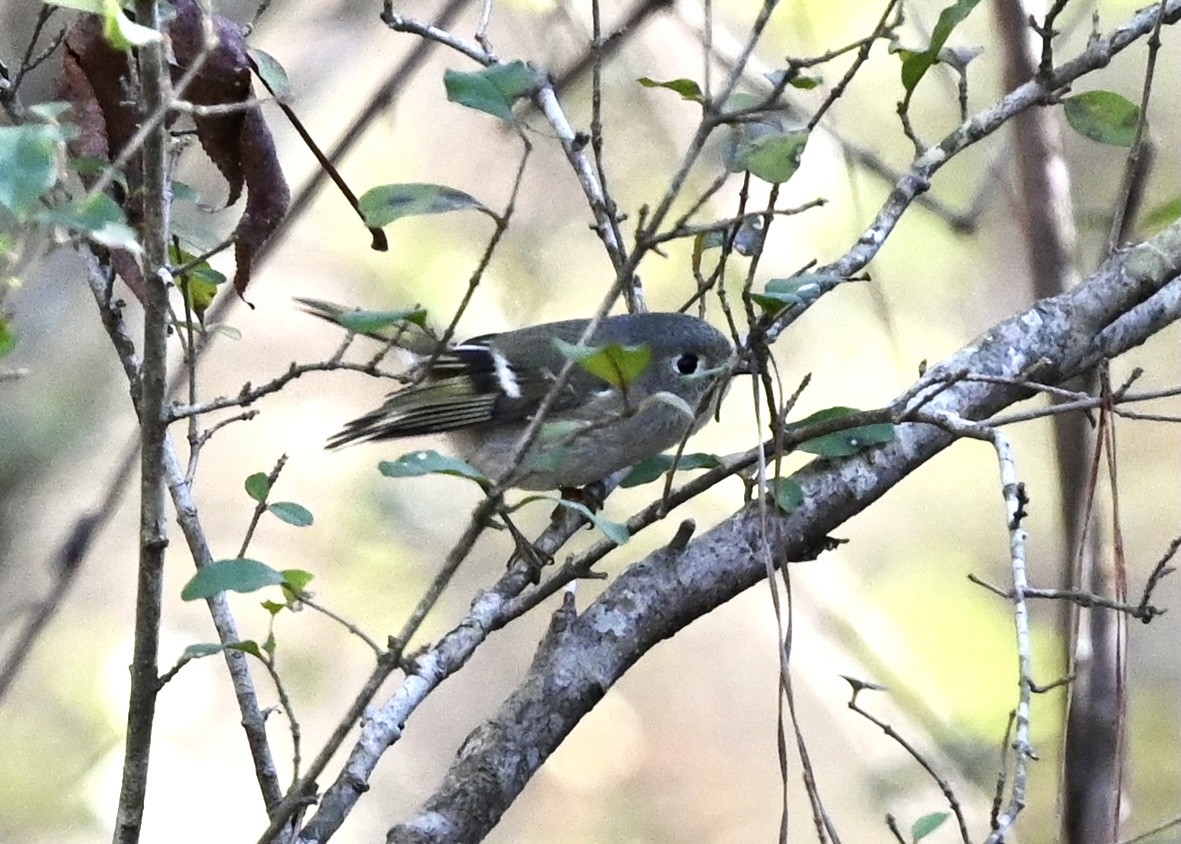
x=260, y=506
x=944, y=786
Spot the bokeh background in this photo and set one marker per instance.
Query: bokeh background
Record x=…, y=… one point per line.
x=684, y=748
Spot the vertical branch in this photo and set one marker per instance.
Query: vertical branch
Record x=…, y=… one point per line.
x=154, y=92
x=253, y=720
x=1044, y=207
x=1092, y=753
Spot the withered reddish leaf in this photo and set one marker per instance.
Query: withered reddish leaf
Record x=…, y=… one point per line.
x=224, y=79
x=74, y=87
x=267, y=196
x=108, y=89
x=239, y=143
x=95, y=79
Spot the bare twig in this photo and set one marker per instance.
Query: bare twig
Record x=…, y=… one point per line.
x=1015, y=498
x=944, y=786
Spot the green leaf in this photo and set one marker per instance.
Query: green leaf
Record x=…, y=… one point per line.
x=781, y=293
x=28, y=166
x=786, y=493
x=7, y=337
x=614, y=531
x=99, y=218
x=248, y=646
x=1161, y=216
x=181, y=257
x=272, y=74
x=649, y=470
x=492, y=90
x=94, y=7
x=618, y=365
x=768, y=143
x=273, y=607
x=687, y=88
x=743, y=102
x=297, y=580
x=198, y=283
x=1103, y=116
x=200, y=650
x=292, y=513
x=709, y=240
x=373, y=322
x=120, y=31
x=773, y=158
x=798, y=80
x=258, y=486
x=240, y=575
x=385, y=203
x=418, y=463
x=227, y=330
x=848, y=442
x=927, y=824
x=916, y=65
x=198, y=292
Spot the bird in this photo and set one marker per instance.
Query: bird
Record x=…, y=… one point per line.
x=645, y=382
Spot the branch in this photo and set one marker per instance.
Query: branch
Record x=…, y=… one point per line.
x=253, y=721
x=154, y=93
x=917, y=180
x=656, y=597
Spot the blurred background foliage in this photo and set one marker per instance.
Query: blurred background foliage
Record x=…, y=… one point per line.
x=684, y=748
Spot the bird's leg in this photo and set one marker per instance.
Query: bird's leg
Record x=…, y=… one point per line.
x=528, y=553
x=590, y=496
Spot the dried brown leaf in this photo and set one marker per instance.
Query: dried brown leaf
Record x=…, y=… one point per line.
x=95, y=78
x=267, y=196
x=224, y=79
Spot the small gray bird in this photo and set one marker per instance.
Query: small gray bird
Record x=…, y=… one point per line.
x=486, y=391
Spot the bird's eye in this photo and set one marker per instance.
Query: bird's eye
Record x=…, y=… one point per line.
x=687, y=363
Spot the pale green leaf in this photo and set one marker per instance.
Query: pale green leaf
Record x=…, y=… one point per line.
x=272, y=74
x=927, y=824
x=240, y=575
x=915, y=65
x=848, y=442
x=687, y=88
x=200, y=650
x=291, y=513
x=418, y=463
x=99, y=218
x=618, y=365
x=773, y=158
x=374, y=322
x=781, y=293
x=297, y=580
x=649, y=470
x=258, y=486
x=786, y=493
x=247, y=646
x=492, y=90
x=1103, y=116
x=28, y=166
x=386, y=203
x=614, y=531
